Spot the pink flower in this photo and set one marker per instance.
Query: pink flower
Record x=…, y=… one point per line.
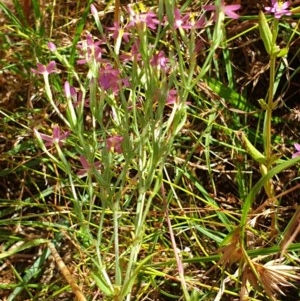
x=185, y=23
x=45, y=69
x=180, y=22
x=134, y=55
x=172, y=97
x=118, y=31
x=279, y=9
x=109, y=79
x=71, y=92
x=56, y=138
x=159, y=60
x=51, y=46
x=89, y=50
x=149, y=19
x=114, y=143
x=94, y=10
x=297, y=153
x=228, y=10
x=87, y=167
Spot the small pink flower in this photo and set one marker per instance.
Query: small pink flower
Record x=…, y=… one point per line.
x=87, y=167
x=109, y=79
x=56, y=138
x=180, y=22
x=228, y=10
x=114, y=143
x=134, y=55
x=149, y=19
x=118, y=31
x=172, y=97
x=279, y=9
x=71, y=92
x=89, y=50
x=51, y=46
x=45, y=69
x=94, y=10
x=185, y=21
x=160, y=61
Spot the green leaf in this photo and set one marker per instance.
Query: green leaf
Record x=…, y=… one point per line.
x=256, y=188
x=22, y=247
x=251, y=149
x=32, y=272
x=283, y=52
x=102, y=284
x=265, y=32
x=235, y=99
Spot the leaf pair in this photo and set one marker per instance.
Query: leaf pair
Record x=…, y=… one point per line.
x=269, y=37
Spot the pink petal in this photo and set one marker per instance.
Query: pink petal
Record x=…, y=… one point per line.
x=67, y=89
x=93, y=10
x=51, y=67
x=209, y=7
x=85, y=164
x=51, y=46
x=297, y=146
x=56, y=132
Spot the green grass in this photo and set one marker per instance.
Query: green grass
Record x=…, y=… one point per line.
x=146, y=194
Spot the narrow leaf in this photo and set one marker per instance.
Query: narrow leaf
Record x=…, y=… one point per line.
x=265, y=32
x=235, y=99
x=251, y=149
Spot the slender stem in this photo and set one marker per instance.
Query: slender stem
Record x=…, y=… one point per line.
x=269, y=189
x=116, y=243
x=267, y=135
x=50, y=98
x=268, y=116
x=174, y=246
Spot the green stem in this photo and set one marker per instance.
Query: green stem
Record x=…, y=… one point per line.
x=116, y=244
x=267, y=135
x=50, y=98
x=269, y=110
